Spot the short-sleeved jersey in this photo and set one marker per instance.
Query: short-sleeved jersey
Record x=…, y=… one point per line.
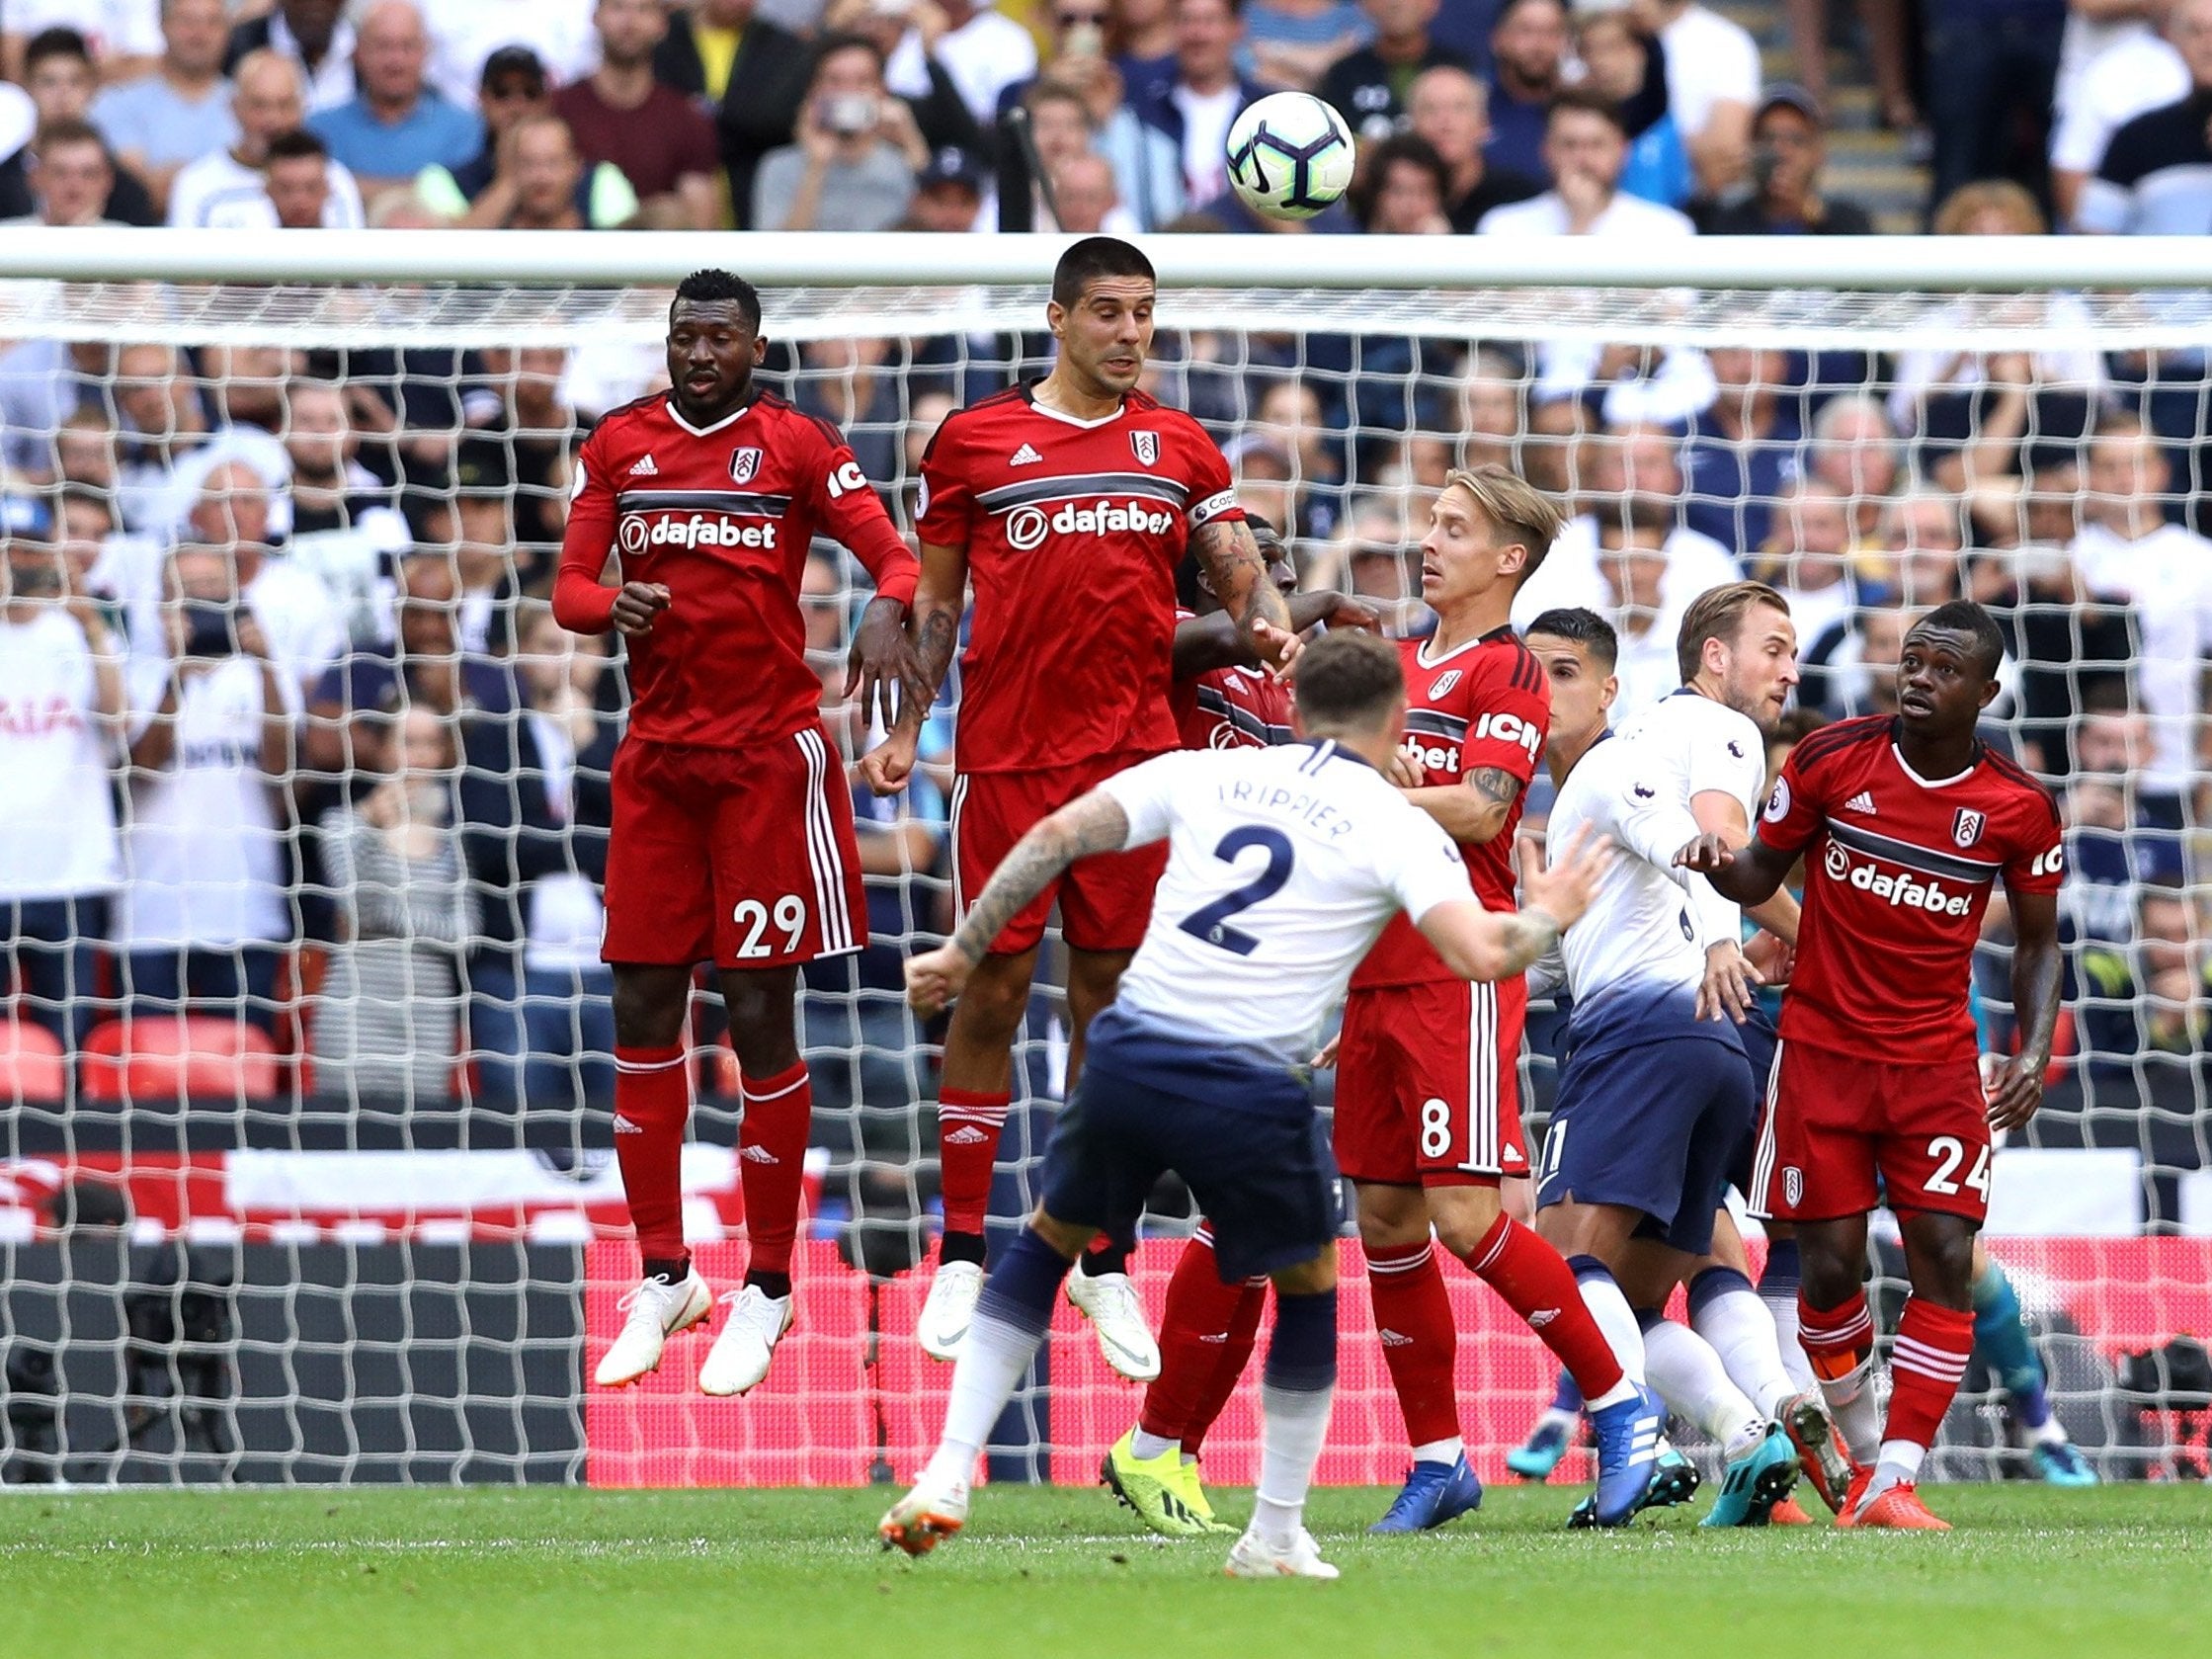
x=1487, y=704
x=724, y=517
x=1283, y=863
x=1231, y=708
x=1898, y=871
x=1073, y=530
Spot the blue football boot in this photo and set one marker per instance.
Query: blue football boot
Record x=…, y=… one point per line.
x=1756, y=1482
x=1433, y=1494
x=1537, y=1456
x=1628, y=1436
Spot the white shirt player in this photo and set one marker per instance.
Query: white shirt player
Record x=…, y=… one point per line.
x=1283, y=863
x=1649, y=924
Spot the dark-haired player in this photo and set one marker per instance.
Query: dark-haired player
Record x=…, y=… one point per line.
x=733, y=825
x=1069, y=502
x=1905, y=821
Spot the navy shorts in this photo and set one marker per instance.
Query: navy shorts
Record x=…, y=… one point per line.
x=1651, y=1127
x=1250, y=1147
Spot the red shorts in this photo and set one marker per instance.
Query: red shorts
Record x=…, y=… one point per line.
x=1428, y=1084
x=1835, y=1122
x=745, y=855
x=1105, y=900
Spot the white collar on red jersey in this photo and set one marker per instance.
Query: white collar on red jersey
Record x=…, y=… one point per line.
x=732, y=418
x=1937, y=782
x=1030, y=394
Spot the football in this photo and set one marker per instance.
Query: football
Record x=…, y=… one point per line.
x=1290, y=155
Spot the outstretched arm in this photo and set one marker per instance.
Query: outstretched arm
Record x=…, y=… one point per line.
x=1097, y=823
x=1233, y=563
x=1205, y=643
x=1748, y=875
x=2036, y=980
x=1479, y=944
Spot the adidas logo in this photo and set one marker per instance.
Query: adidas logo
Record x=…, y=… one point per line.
x=1394, y=1339
x=1216, y=1337
x=622, y=1126
x=1864, y=802
x=967, y=1134
x=645, y=470
x=1543, y=1317
x=758, y=1155
x=1025, y=456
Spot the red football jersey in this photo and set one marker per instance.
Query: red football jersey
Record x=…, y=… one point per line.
x=723, y=515
x=1485, y=703
x=1073, y=530
x=1231, y=708
x=1898, y=871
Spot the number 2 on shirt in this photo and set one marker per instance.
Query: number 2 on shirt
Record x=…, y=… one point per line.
x=1210, y=922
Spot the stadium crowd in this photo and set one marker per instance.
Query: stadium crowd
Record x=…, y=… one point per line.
x=290, y=734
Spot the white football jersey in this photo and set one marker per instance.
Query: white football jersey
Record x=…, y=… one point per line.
x=1650, y=923
x=1283, y=863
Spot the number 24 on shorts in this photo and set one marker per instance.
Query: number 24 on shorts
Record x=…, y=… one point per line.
x=1948, y=1153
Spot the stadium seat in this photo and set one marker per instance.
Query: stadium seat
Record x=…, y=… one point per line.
x=167, y=1059
x=33, y=1067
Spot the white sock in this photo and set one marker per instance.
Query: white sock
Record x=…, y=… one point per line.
x=1616, y=1320
x=1148, y=1446
x=992, y=1362
x=1440, y=1450
x=1690, y=1378
x=1741, y=1332
x=1783, y=1311
x=1898, y=1466
x=1293, y=1424
x=1852, y=1403
x=2052, y=1433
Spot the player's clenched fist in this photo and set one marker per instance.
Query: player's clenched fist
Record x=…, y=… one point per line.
x=935, y=978
x=638, y=605
x=886, y=767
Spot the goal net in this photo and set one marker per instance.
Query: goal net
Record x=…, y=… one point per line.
x=305, y=1167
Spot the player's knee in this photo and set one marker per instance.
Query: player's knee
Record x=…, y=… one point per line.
x=1463, y=1216
x=646, y=1015
x=1939, y=1255
x=1391, y=1217
x=990, y=1009
x=1827, y=1281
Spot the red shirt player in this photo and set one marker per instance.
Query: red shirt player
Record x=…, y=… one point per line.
x=1906, y=824
x=1069, y=502
x=733, y=823
x=1427, y=1104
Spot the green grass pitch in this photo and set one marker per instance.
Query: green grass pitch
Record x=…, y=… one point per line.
x=1059, y=1572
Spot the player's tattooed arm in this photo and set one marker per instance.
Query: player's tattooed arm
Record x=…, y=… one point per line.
x=939, y=597
x=1097, y=823
x=1474, y=811
x=1237, y=570
x=1205, y=643
x=2037, y=977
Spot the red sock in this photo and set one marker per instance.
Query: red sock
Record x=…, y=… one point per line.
x=652, y=1101
x=772, y=1164
x=1194, y=1327
x=1538, y=1284
x=1837, y=1340
x=1420, y=1343
x=1933, y=1346
x=1228, y=1365
x=969, y=1122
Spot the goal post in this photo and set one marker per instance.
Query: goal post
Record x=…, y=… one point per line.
x=367, y=1225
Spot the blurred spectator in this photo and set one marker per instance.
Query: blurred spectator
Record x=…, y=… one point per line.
x=1400, y=190
x=700, y=50
x=484, y=191
x=1739, y=448
x=1992, y=70
x=297, y=180
x=1294, y=42
x=1450, y=108
x=344, y=527
x=1617, y=64
x=1373, y=560
x=301, y=623
x=1850, y=668
x=1288, y=414
x=2114, y=848
x=1810, y=556
x=1079, y=78
x=1789, y=148
x=935, y=99
x=535, y=808
x=2129, y=551
x=464, y=33
x=1586, y=148
x=205, y=912
x=1089, y=200
x=61, y=699
x=1369, y=85
x=397, y=123
x=1198, y=108
x=948, y=193
x=1712, y=84
x=1142, y=34
x=1490, y=410
x=2146, y=994
x=2135, y=69
x=760, y=105
x=1891, y=50
x=123, y=35
x=2156, y=176
x=858, y=151
x=226, y=189
x=313, y=33
x=1528, y=68
x=982, y=50
x=620, y=114
x=59, y=76
x=515, y=467
x=540, y=184
x=1922, y=534
x=70, y=176
x=181, y=110
x=854, y=383
x=1853, y=448
x=1632, y=562
x=386, y=1022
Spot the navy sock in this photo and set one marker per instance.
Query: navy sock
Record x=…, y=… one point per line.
x=1302, y=1352
x=1714, y=1282
x=1781, y=1274
x=1022, y=1288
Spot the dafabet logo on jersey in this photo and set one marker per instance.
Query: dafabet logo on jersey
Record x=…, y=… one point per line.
x=1902, y=889
x=1027, y=527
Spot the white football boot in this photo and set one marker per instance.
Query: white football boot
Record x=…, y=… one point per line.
x=1254, y=1557
x=1110, y=1302
x=927, y=1515
x=943, y=1325
x=656, y=1311
x=740, y=1355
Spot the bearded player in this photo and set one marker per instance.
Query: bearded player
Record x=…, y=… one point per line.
x=1906, y=822
x=733, y=825
x=1069, y=502
x=1428, y=1118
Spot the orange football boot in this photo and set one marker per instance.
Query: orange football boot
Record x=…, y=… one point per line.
x=1788, y=1513
x=1900, y=1510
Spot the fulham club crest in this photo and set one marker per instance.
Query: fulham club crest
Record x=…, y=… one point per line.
x=1443, y=684
x=1147, y=447
x=1966, y=827
x=743, y=465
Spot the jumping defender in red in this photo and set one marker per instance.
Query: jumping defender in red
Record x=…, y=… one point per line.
x=1069, y=502
x=1905, y=824
x=733, y=824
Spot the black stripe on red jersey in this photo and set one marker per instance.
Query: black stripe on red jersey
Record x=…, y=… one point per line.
x=1063, y=485
x=1212, y=701
x=1910, y=854
x=830, y=434
x=1435, y=724
x=705, y=501
x=2011, y=770
x=1828, y=739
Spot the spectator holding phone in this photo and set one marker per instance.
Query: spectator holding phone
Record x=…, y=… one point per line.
x=858, y=152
